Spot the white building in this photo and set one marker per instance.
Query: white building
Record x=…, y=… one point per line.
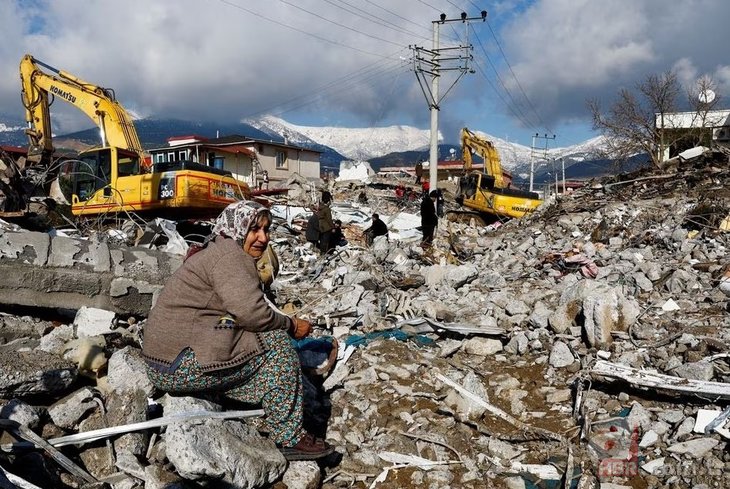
x=717, y=121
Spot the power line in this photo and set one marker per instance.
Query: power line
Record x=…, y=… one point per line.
x=393, y=70
x=429, y=5
x=501, y=97
x=231, y=4
x=524, y=118
x=314, y=14
x=396, y=15
x=516, y=80
x=367, y=73
x=379, y=20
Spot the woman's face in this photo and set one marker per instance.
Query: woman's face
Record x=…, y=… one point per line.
x=258, y=237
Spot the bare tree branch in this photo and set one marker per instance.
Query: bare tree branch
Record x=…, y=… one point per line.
x=644, y=120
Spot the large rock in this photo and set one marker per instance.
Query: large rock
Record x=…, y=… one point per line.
x=453, y=275
x=127, y=372
x=227, y=450
x=603, y=308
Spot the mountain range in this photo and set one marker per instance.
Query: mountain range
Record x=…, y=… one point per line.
x=382, y=146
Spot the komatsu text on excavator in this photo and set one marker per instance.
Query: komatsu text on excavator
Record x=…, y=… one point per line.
x=487, y=192
x=111, y=178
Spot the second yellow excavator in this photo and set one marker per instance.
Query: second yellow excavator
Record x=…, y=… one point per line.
x=111, y=178
x=486, y=192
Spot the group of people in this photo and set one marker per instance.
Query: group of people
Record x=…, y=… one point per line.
x=323, y=232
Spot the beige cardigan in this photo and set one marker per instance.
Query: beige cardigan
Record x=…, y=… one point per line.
x=219, y=280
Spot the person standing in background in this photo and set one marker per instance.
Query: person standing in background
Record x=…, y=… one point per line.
x=419, y=172
x=326, y=225
x=429, y=218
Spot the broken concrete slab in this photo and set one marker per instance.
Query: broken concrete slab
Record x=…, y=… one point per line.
x=34, y=372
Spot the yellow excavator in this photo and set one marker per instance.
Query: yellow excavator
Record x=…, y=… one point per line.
x=486, y=192
x=112, y=177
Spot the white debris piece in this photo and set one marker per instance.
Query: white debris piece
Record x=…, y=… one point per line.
x=670, y=306
x=355, y=170
x=289, y=212
x=705, y=417
x=90, y=321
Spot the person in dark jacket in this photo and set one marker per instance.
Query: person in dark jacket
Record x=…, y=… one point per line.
x=312, y=232
x=326, y=225
x=212, y=331
x=338, y=237
x=377, y=228
x=419, y=172
x=429, y=218
x=440, y=201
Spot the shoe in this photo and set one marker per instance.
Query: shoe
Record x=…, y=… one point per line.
x=307, y=448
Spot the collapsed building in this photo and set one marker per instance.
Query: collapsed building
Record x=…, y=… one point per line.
x=583, y=346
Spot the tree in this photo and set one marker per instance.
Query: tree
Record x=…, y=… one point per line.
x=645, y=120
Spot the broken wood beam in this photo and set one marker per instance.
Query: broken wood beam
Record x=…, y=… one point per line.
x=645, y=379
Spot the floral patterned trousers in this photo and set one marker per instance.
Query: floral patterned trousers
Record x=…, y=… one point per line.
x=273, y=379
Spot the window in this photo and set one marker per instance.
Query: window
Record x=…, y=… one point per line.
x=182, y=155
x=281, y=159
x=170, y=156
x=127, y=164
x=160, y=158
x=93, y=173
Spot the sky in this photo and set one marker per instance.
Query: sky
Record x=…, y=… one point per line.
x=349, y=63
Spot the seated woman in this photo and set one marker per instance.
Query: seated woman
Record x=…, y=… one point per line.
x=211, y=331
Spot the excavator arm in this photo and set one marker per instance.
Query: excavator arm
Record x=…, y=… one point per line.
x=40, y=87
x=471, y=143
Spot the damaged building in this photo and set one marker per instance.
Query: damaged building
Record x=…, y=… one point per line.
x=585, y=345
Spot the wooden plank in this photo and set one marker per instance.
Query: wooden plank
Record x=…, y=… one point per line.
x=645, y=379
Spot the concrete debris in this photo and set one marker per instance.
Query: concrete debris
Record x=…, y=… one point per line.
x=561, y=347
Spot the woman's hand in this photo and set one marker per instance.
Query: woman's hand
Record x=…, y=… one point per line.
x=300, y=328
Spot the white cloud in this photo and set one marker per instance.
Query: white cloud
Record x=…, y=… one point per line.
x=564, y=51
x=223, y=60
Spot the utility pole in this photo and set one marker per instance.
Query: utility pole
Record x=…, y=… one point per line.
x=433, y=67
x=562, y=163
x=544, y=154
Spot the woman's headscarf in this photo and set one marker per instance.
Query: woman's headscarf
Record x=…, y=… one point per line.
x=236, y=219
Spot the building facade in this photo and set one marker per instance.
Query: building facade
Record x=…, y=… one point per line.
x=683, y=130
x=253, y=161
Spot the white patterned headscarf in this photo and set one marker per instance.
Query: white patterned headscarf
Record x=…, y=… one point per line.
x=236, y=219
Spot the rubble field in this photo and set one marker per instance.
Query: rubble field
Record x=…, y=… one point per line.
x=584, y=346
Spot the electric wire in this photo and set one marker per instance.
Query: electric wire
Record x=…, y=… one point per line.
x=394, y=14
x=378, y=20
x=334, y=93
x=365, y=73
x=529, y=102
x=497, y=92
x=314, y=14
x=524, y=119
x=336, y=86
x=301, y=31
x=429, y=5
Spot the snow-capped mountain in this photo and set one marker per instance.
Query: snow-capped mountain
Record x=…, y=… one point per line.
x=383, y=146
x=369, y=143
x=354, y=143
x=12, y=131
